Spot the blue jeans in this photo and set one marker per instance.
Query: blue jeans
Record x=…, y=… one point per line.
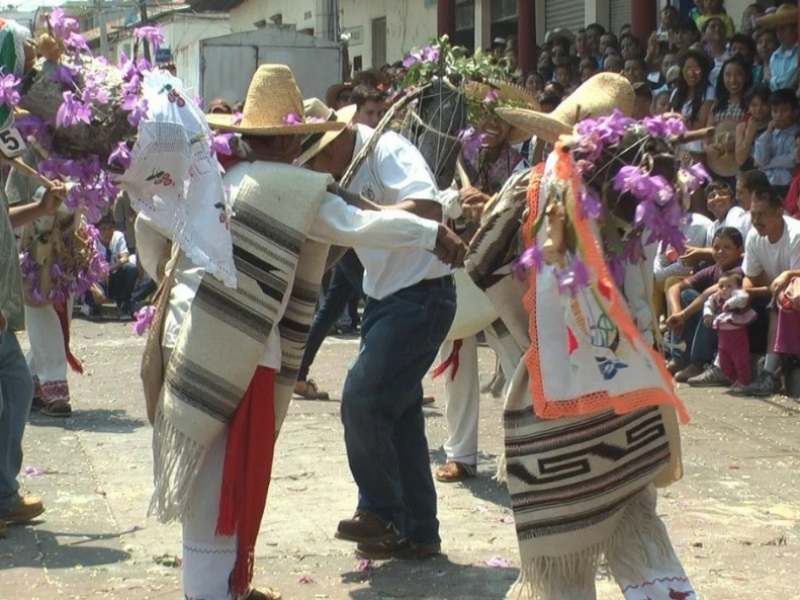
x=16, y=394
x=345, y=283
x=701, y=342
x=119, y=286
x=384, y=428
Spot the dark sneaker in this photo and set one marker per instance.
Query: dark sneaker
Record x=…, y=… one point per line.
x=366, y=527
x=684, y=375
x=711, y=377
x=767, y=384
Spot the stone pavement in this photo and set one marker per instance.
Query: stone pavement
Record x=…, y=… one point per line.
x=733, y=519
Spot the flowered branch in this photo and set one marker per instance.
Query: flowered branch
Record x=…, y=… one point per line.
x=598, y=145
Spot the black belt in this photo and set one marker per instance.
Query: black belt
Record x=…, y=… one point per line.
x=439, y=282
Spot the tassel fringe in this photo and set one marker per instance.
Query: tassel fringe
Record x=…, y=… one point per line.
x=501, y=475
x=177, y=460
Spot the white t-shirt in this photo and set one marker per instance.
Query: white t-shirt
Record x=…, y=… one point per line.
x=695, y=231
x=773, y=259
x=737, y=217
x=117, y=246
x=395, y=171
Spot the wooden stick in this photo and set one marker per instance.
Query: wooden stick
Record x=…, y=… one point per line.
x=28, y=171
x=462, y=173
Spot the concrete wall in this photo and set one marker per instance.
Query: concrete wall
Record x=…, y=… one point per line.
x=301, y=13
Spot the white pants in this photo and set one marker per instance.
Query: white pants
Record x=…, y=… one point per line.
x=207, y=559
x=47, y=357
x=462, y=396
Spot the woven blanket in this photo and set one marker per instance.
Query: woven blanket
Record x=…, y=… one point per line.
x=573, y=481
x=222, y=336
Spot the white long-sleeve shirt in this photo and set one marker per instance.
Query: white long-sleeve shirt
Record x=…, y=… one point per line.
x=336, y=223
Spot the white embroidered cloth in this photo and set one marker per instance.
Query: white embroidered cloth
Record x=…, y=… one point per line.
x=175, y=181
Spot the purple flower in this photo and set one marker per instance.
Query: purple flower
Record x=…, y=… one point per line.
x=127, y=67
x=589, y=205
x=30, y=125
x=632, y=250
x=137, y=107
x=198, y=100
x=221, y=144
x=9, y=94
x=64, y=74
x=77, y=42
x=531, y=258
x=617, y=270
x=236, y=118
x=151, y=35
x=492, y=96
x=72, y=112
x=144, y=320
x=292, y=119
x=121, y=154
x=695, y=176
x=430, y=54
x=412, y=59
x=63, y=26
x=573, y=278
x=471, y=143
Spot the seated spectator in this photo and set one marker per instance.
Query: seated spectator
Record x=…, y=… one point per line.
x=581, y=46
x=220, y=106
x=716, y=46
x=772, y=249
x=747, y=184
x=563, y=75
x=774, y=150
x=122, y=274
x=713, y=9
x=635, y=70
x=749, y=16
x=756, y=121
x=766, y=44
x=594, y=35
x=534, y=83
x=726, y=114
x=693, y=96
x=658, y=79
x=370, y=105
x=588, y=68
x=783, y=62
x=791, y=204
x=660, y=104
x=668, y=25
x=643, y=100
x=744, y=46
x=608, y=42
x=685, y=304
x=613, y=64
x=698, y=10
x=668, y=268
x=630, y=47
x=687, y=36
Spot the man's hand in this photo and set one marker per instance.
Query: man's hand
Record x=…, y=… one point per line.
x=472, y=202
x=693, y=256
x=771, y=126
x=53, y=197
x=677, y=320
x=708, y=321
x=780, y=282
x=450, y=249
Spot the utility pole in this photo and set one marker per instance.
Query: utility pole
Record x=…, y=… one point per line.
x=101, y=18
x=144, y=22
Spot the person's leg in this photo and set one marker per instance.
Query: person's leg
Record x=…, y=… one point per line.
x=642, y=558
x=726, y=362
x=462, y=411
x=121, y=284
x=740, y=354
x=682, y=344
x=49, y=355
x=768, y=382
x=400, y=337
x=16, y=393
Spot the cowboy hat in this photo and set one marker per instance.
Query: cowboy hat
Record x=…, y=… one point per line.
x=507, y=95
x=724, y=165
x=315, y=109
x=273, y=106
x=598, y=96
x=786, y=14
x=332, y=95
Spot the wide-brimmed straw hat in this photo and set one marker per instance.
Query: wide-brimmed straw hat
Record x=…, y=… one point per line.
x=273, y=106
x=596, y=97
x=724, y=165
x=332, y=95
x=786, y=14
x=508, y=95
x=313, y=144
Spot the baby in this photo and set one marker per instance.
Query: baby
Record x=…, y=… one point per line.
x=728, y=311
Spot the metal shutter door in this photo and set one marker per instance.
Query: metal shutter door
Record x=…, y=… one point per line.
x=620, y=15
x=570, y=14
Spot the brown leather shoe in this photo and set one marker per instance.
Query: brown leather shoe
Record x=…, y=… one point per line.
x=366, y=527
x=308, y=390
x=59, y=408
x=28, y=509
x=453, y=472
x=264, y=594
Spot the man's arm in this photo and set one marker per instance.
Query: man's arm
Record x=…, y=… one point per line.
x=24, y=214
x=758, y=287
x=123, y=254
x=425, y=209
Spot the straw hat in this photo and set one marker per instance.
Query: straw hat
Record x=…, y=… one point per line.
x=598, y=96
x=507, y=94
x=314, y=144
x=332, y=95
x=273, y=107
x=786, y=14
x=725, y=165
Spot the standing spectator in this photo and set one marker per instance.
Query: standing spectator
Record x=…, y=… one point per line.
x=727, y=113
x=370, y=105
x=693, y=96
x=686, y=36
x=772, y=248
x=744, y=46
x=713, y=9
x=755, y=123
x=630, y=47
x=582, y=49
x=783, y=63
x=608, y=43
x=716, y=45
x=644, y=99
x=766, y=44
x=749, y=16
x=534, y=83
x=122, y=273
x=668, y=25
x=774, y=151
x=594, y=32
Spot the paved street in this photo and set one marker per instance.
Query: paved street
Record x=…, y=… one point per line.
x=734, y=519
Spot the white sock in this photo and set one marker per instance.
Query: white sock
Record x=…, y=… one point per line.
x=772, y=362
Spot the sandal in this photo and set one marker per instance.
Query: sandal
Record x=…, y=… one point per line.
x=59, y=408
x=453, y=472
x=308, y=390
